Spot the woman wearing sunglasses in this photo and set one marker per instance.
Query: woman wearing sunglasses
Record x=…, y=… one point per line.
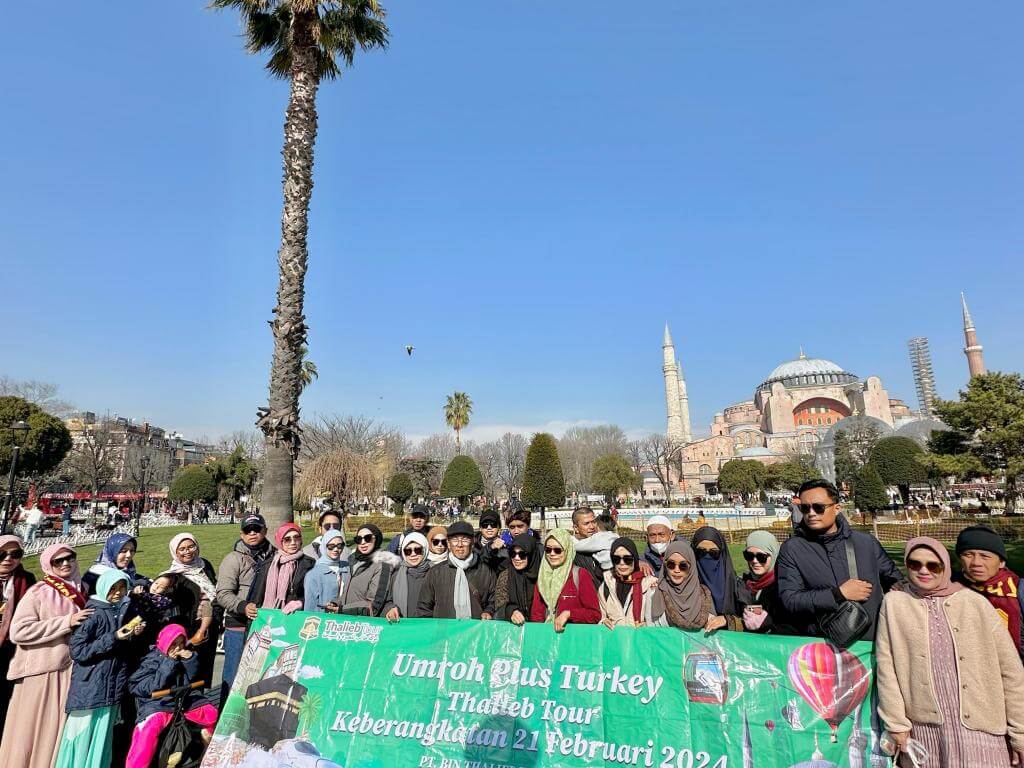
x=565, y=594
x=681, y=600
x=626, y=594
x=949, y=677
x=281, y=580
x=437, y=540
x=405, y=590
x=371, y=570
x=14, y=583
x=764, y=612
x=41, y=668
x=714, y=567
x=326, y=580
x=513, y=593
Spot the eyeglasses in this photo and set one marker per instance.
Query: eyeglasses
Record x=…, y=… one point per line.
x=488, y=525
x=364, y=539
x=518, y=554
x=331, y=526
x=761, y=557
x=933, y=566
x=439, y=542
x=817, y=508
x=413, y=551
x=553, y=550
x=59, y=561
x=188, y=548
x=677, y=565
x=14, y=554
x=622, y=559
x=292, y=539
x=335, y=547
x=713, y=554
x=253, y=529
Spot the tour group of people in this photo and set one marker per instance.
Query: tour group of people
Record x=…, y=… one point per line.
x=88, y=659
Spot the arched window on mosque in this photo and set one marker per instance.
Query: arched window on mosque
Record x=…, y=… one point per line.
x=705, y=469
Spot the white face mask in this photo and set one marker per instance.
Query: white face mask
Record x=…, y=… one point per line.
x=659, y=547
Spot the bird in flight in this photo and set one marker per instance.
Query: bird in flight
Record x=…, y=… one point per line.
x=408, y=349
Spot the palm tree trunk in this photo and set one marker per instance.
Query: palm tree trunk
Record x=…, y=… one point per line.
x=280, y=421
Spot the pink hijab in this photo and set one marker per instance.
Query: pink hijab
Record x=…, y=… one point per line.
x=168, y=635
x=945, y=586
x=46, y=564
x=282, y=567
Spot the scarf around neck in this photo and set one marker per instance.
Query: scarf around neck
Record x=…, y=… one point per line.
x=409, y=578
x=437, y=557
x=13, y=587
x=281, y=570
x=629, y=589
x=193, y=571
x=463, y=599
x=70, y=588
x=1003, y=592
x=550, y=581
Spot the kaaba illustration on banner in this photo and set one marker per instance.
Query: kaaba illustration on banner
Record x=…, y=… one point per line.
x=274, y=700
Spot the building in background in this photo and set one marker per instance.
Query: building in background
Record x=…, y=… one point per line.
x=973, y=350
x=924, y=376
x=676, y=400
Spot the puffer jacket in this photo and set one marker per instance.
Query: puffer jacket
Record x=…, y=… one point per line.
x=296, y=586
x=159, y=672
x=237, y=573
x=369, y=584
x=100, y=672
x=810, y=570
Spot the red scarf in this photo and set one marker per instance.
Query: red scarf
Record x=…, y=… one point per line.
x=635, y=581
x=1003, y=592
x=756, y=585
x=66, y=590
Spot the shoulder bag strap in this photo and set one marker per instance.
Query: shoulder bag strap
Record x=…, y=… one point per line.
x=851, y=558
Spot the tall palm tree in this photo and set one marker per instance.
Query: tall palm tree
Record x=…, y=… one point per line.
x=457, y=411
x=308, y=41
x=308, y=372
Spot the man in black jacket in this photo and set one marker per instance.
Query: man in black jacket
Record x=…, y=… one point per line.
x=812, y=569
x=460, y=584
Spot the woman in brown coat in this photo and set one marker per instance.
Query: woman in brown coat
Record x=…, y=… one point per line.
x=681, y=601
x=949, y=677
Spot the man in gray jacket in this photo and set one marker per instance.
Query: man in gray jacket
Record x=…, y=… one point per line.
x=237, y=571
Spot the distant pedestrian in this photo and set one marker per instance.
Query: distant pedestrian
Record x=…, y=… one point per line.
x=33, y=520
x=65, y=520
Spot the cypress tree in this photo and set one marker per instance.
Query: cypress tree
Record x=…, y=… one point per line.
x=543, y=481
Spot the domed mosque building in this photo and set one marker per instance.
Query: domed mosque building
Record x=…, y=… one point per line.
x=792, y=410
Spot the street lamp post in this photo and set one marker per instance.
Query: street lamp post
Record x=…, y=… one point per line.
x=143, y=465
x=20, y=430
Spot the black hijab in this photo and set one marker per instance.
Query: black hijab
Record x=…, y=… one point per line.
x=717, y=575
x=521, y=584
x=378, y=539
x=623, y=588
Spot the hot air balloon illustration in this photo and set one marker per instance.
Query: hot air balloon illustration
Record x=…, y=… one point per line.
x=832, y=681
x=770, y=725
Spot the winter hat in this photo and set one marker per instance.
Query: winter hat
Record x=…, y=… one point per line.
x=489, y=516
x=168, y=635
x=460, y=528
x=980, y=537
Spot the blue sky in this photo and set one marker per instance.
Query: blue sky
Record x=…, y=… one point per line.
x=526, y=193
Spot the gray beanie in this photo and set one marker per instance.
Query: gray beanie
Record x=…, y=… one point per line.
x=764, y=541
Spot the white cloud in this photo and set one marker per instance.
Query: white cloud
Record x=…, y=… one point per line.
x=278, y=631
x=279, y=643
x=309, y=672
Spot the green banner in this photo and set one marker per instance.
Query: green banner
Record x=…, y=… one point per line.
x=318, y=691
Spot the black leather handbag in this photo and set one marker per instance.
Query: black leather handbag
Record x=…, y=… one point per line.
x=849, y=622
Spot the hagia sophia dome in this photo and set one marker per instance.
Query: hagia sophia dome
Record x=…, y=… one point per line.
x=807, y=371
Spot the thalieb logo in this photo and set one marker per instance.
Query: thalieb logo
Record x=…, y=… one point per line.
x=310, y=628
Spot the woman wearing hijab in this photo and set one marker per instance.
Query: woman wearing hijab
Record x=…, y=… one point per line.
x=949, y=677
x=405, y=590
x=196, y=596
x=327, y=578
x=280, y=581
x=626, y=594
x=41, y=667
x=371, y=570
x=99, y=676
x=714, y=568
x=118, y=552
x=681, y=600
x=14, y=583
x=764, y=612
x=437, y=538
x=513, y=593
x=562, y=596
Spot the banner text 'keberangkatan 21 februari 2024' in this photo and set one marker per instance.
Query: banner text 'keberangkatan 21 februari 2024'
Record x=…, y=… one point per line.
x=321, y=690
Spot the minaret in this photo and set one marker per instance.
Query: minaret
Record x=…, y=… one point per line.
x=975, y=362
x=858, y=743
x=684, y=404
x=674, y=431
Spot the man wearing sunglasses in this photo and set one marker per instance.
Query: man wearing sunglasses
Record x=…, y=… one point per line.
x=329, y=521
x=234, y=577
x=418, y=519
x=813, y=569
x=490, y=545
